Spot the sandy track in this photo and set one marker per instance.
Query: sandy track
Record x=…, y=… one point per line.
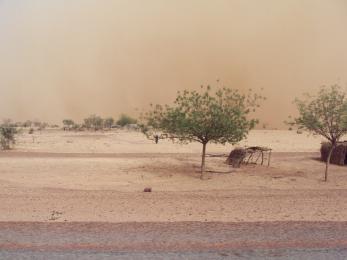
x=18, y=154
x=112, y=206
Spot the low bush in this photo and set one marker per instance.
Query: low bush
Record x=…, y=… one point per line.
x=126, y=120
x=7, y=137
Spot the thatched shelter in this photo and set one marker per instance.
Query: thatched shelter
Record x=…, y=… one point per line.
x=249, y=155
x=339, y=154
x=236, y=157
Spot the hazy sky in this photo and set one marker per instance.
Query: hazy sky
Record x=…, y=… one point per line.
x=71, y=58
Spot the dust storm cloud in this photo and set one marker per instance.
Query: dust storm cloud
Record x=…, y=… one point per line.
x=63, y=58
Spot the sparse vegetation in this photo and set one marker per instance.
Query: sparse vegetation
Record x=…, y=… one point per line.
x=324, y=114
x=68, y=124
x=125, y=120
x=108, y=122
x=94, y=122
x=40, y=125
x=7, y=136
x=204, y=117
x=27, y=123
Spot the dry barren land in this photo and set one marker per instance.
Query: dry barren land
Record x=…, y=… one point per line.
x=67, y=195
x=57, y=176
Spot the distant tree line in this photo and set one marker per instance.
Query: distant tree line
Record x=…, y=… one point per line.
x=28, y=124
x=96, y=123
x=9, y=129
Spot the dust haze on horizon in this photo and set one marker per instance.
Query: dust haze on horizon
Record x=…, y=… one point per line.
x=69, y=59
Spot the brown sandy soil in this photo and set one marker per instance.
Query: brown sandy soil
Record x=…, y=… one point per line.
x=100, y=177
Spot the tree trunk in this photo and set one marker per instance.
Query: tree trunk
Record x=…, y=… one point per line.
x=328, y=162
x=203, y=160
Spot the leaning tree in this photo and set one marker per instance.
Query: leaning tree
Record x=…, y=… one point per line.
x=324, y=114
x=204, y=117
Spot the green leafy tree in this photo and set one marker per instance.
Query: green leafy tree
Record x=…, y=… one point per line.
x=324, y=114
x=68, y=124
x=204, y=117
x=7, y=136
x=108, y=122
x=126, y=120
x=94, y=122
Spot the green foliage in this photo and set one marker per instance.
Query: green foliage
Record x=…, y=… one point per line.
x=324, y=114
x=76, y=127
x=204, y=117
x=68, y=123
x=7, y=137
x=126, y=120
x=94, y=122
x=220, y=117
x=108, y=122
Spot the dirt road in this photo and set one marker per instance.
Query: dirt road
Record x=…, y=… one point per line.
x=180, y=240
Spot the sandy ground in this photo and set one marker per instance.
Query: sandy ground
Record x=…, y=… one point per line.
x=57, y=176
x=133, y=142
x=66, y=195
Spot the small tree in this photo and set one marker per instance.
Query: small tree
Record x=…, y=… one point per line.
x=126, y=120
x=7, y=137
x=204, y=117
x=108, y=122
x=68, y=124
x=94, y=122
x=324, y=114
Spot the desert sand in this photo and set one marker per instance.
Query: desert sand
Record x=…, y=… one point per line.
x=57, y=176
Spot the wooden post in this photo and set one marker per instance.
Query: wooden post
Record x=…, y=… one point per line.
x=262, y=157
x=258, y=157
